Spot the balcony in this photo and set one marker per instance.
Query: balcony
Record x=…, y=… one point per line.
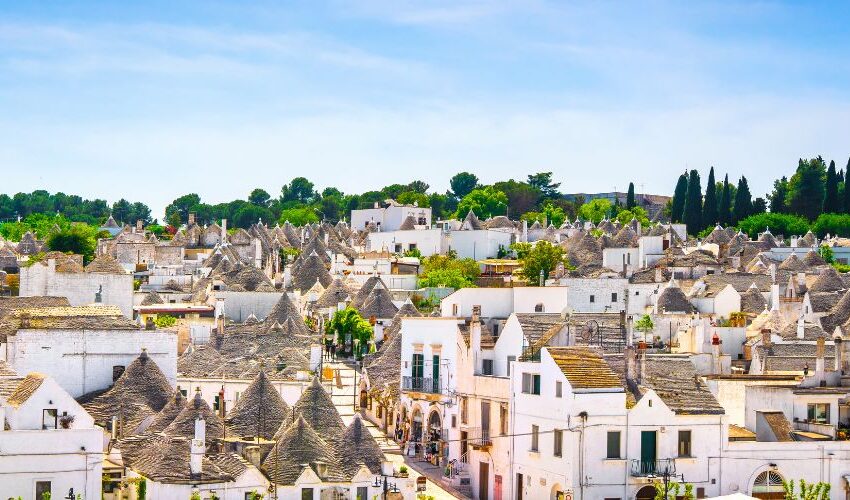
x=646, y=468
x=479, y=439
x=421, y=384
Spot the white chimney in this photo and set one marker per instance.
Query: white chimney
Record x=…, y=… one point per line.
x=315, y=356
x=772, y=270
x=475, y=336
x=820, y=375
x=839, y=354
x=223, y=231
x=258, y=254
x=801, y=328
x=198, y=447
x=717, y=369
x=774, y=297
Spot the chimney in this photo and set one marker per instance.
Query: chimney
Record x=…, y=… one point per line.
x=322, y=470
x=140, y=226
x=820, y=376
x=629, y=358
x=252, y=454
x=198, y=446
x=475, y=335
x=524, y=235
x=774, y=297
x=114, y=430
x=630, y=330
x=772, y=270
x=221, y=406
x=839, y=355
x=258, y=254
x=765, y=337
x=315, y=356
x=223, y=231
x=149, y=324
x=191, y=218
x=801, y=279
x=641, y=361
x=801, y=328
x=717, y=369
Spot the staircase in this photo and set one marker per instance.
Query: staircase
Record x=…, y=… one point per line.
x=458, y=478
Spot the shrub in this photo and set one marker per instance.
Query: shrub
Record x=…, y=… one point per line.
x=784, y=224
x=833, y=224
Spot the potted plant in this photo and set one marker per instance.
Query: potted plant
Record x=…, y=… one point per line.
x=402, y=471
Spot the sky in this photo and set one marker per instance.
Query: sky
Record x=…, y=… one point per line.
x=151, y=100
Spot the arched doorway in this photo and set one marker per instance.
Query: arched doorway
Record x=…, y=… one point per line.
x=557, y=492
x=416, y=430
x=646, y=493
x=768, y=486
x=434, y=437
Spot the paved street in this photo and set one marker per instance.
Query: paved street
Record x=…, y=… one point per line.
x=343, y=397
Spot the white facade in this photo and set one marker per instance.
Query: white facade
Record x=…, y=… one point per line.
x=502, y=302
x=390, y=218
x=36, y=451
x=42, y=280
x=83, y=361
x=427, y=241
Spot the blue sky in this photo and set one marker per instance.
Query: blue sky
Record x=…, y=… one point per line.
x=151, y=100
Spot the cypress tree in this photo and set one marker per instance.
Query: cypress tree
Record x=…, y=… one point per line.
x=692, y=214
x=743, y=201
x=725, y=212
x=630, y=197
x=709, y=207
x=806, y=188
x=678, y=205
x=847, y=188
x=830, y=197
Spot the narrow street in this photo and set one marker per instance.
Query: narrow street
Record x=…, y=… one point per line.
x=344, y=396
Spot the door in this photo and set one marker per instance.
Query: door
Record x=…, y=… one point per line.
x=483, y=481
x=647, y=451
x=519, y=486
x=418, y=369
x=436, y=374
x=485, y=422
x=464, y=444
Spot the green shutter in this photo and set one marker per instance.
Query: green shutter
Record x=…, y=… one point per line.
x=536, y=379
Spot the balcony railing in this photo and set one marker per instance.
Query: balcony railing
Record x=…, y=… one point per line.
x=421, y=384
x=644, y=468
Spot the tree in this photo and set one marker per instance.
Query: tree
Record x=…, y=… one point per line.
x=542, y=181
x=644, y=324
x=779, y=197
x=595, y=210
x=692, y=213
x=259, y=197
x=522, y=197
x=79, y=239
x=541, y=259
x=250, y=214
x=548, y=214
x=786, y=224
x=630, y=197
x=743, y=201
x=414, y=197
x=807, y=491
x=331, y=208
x=639, y=213
x=451, y=278
x=299, y=216
x=759, y=205
x=332, y=191
x=678, y=206
x=846, y=198
x=724, y=214
x=351, y=330
x=485, y=202
x=420, y=187
x=806, y=188
x=446, y=270
x=831, y=203
x=299, y=190
x=463, y=183
x=709, y=207
x=832, y=224
x=122, y=210
x=182, y=206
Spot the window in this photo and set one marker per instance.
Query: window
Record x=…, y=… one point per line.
x=511, y=359
x=464, y=410
x=503, y=419
x=43, y=489
x=530, y=383
x=614, y=297
x=819, y=412
x=216, y=402
x=184, y=392
x=592, y=299
x=535, y=437
x=306, y=493
x=558, y=388
x=559, y=442
x=684, y=443
x=637, y=293
x=454, y=421
x=398, y=248
x=236, y=397
x=48, y=418
x=613, y=444
x=538, y=308
x=411, y=246
x=362, y=493
x=487, y=369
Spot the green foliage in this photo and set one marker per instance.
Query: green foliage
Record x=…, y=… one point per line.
x=831, y=202
x=288, y=255
x=542, y=258
x=348, y=326
x=446, y=270
x=630, y=197
x=743, y=201
x=845, y=193
x=259, y=197
x=79, y=238
x=709, y=206
x=595, y=210
x=463, y=183
x=165, y=321
x=299, y=190
x=254, y=495
x=826, y=254
x=549, y=214
x=806, y=188
x=485, y=202
x=806, y=491
x=299, y=216
x=625, y=216
x=142, y=489
x=779, y=196
x=784, y=224
x=414, y=198
x=42, y=225
x=679, y=195
x=542, y=182
x=692, y=213
x=833, y=224
x=156, y=229
x=644, y=324
x=522, y=197
x=414, y=252
x=72, y=207
x=195, y=496
x=724, y=211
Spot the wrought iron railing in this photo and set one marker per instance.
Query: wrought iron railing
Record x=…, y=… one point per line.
x=643, y=468
x=421, y=384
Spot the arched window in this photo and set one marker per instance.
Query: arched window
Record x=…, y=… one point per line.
x=768, y=485
x=538, y=308
x=646, y=493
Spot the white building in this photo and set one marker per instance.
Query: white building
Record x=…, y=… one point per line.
x=48, y=443
x=85, y=348
x=502, y=302
x=391, y=217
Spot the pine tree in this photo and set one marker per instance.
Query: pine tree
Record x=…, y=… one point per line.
x=725, y=212
x=847, y=187
x=692, y=214
x=830, y=197
x=709, y=207
x=630, y=197
x=743, y=201
x=678, y=205
x=779, y=196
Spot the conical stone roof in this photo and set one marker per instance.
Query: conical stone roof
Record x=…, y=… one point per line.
x=260, y=410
